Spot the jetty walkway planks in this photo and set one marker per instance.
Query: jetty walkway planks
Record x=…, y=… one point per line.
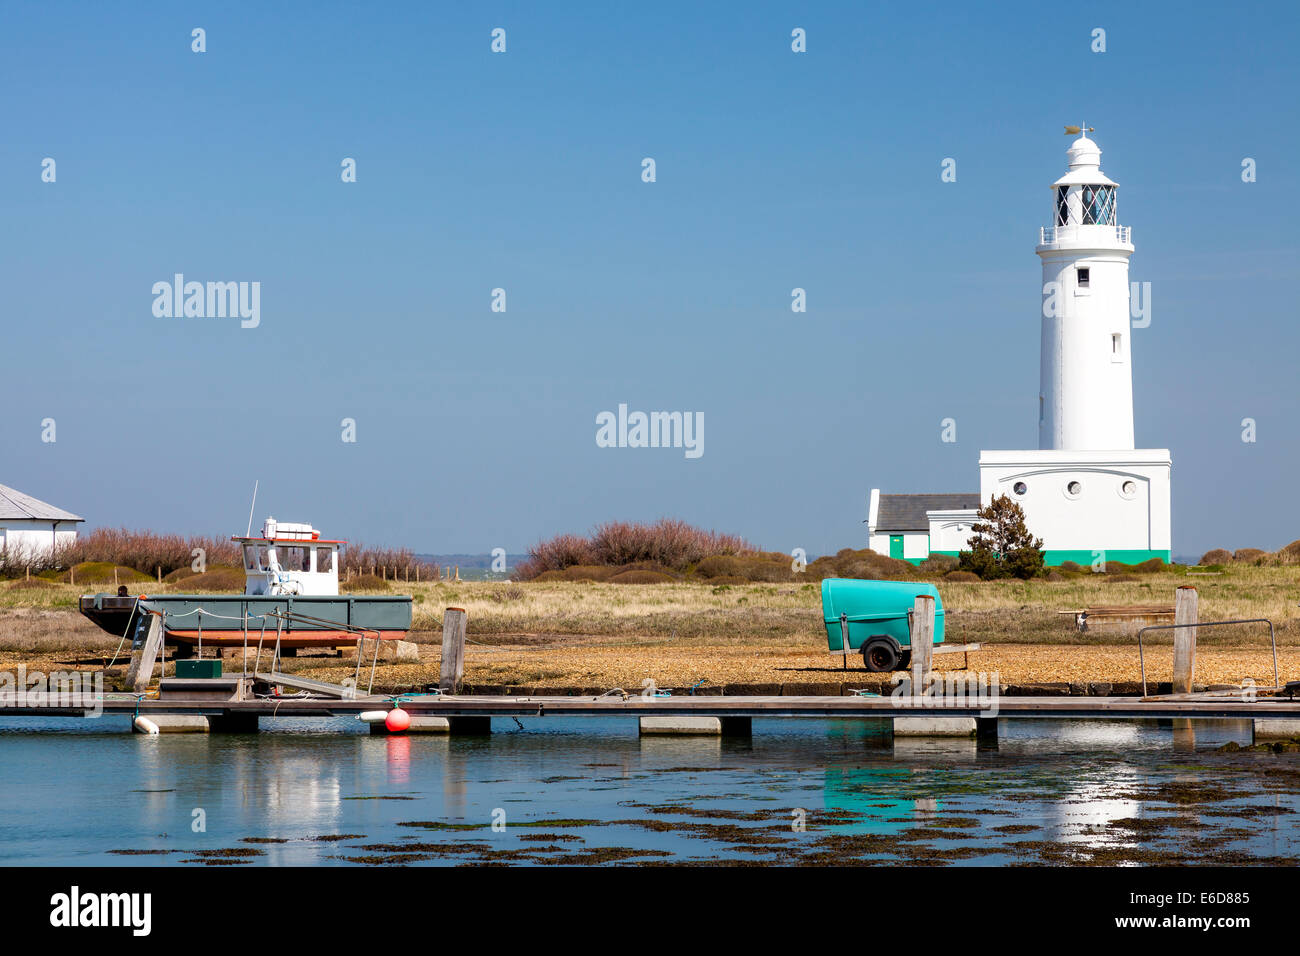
x=1057, y=708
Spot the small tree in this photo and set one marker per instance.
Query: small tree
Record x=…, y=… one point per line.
x=1001, y=544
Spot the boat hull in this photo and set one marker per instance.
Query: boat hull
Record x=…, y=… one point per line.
x=232, y=620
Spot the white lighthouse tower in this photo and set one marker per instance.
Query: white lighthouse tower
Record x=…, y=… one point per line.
x=1087, y=492
x=1085, y=400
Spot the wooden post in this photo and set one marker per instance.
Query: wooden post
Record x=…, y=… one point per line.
x=143, y=655
x=72, y=575
x=922, y=641
x=844, y=638
x=1185, y=612
x=159, y=574
x=454, y=624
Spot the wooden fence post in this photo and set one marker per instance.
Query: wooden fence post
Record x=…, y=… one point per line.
x=1185, y=612
x=454, y=625
x=922, y=640
x=140, y=670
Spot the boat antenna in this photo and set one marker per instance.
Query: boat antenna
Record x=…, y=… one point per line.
x=249, y=532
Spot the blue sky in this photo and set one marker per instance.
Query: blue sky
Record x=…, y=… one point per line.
x=522, y=171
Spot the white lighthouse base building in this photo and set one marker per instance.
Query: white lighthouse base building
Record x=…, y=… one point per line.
x=1087, y=506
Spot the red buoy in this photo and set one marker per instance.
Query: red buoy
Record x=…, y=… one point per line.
x=397, y=720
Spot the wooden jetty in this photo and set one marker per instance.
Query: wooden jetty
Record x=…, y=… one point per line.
x=196, y=700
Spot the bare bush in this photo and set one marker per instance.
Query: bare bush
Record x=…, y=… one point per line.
x=668, y=543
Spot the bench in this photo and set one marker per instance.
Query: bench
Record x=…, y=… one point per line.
x=1139, y=615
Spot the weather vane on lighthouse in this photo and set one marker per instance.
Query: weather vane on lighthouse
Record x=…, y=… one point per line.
x=1079, y=130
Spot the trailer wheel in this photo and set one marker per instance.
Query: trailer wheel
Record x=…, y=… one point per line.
x=880, y=654
x=904, y=661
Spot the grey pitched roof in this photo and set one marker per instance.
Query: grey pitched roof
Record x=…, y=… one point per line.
x=16, y=506
x=907, y=512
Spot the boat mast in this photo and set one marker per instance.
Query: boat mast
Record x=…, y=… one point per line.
x=249, y=532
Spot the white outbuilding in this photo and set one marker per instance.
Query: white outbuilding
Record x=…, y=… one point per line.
x=30, y=527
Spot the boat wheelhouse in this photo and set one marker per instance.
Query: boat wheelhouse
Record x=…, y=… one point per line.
x=290, y=559
x=291, y=594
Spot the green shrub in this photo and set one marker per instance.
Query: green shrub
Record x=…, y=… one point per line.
x=719, y=565
x=642, y=577
x=362, y=582
x=1002, y=544
x=940, y=563
x=101, y=572
x=215, y=579
x=586, y=572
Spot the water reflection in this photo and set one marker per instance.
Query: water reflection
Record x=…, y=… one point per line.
x=1067, y=782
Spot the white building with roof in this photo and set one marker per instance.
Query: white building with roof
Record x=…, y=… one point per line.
x=1086, y=491
x=30, y=527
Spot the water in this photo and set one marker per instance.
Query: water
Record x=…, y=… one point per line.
x=322, y=792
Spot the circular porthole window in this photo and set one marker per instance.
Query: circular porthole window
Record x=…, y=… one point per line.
x=1020, y=487
x=1128, y=489
x=1073, y=489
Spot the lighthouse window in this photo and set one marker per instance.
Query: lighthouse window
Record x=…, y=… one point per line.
x=1073, y=489
x=1062, y=208
x=1020, y=487
x=1084, y=278
x=1116, y=347
x=1098, y=205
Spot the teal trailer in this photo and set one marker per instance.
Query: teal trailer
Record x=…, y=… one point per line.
x=879, y=617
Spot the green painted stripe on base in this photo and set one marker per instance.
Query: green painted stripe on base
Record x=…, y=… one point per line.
x=1055, y=558
x=1085, y=558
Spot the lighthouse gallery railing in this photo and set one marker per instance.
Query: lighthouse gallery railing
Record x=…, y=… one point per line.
x=1051, y=235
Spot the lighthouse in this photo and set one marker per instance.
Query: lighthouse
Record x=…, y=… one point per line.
x=1085, y=490
x=1085, y=400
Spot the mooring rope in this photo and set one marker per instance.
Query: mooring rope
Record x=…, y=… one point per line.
x=129, y=621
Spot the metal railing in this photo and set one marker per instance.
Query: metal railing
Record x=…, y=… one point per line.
x=1051, y=235
x=1272, y=636
x=317, y=623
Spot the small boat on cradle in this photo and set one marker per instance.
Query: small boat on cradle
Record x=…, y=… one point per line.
x=291, y=591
